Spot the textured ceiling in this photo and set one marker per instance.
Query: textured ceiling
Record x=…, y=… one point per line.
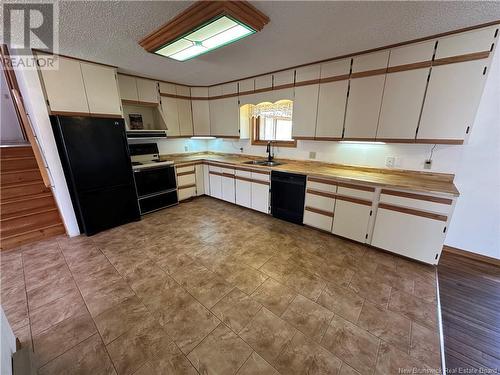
x=299, y=32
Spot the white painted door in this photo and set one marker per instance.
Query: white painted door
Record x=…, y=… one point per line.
x=200, y=179
x=101, y=87
x=185, y=117
x=64, y=87
x=228, y=189
x=147, y=90
x=410, y=235
x=404, y=91
x=171, y=116
x=128, y=87
x=331, y=109
x=305, y=105
x=452, y=99
x=365, y=95
x=260, y=197
x=351, y=220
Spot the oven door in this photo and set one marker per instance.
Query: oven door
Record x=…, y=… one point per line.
x=154, y=180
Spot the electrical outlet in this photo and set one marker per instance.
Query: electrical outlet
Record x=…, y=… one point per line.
x=186, y=148
x=390, y=161
x=428, y=164
x=312, y=154
x=241, y=149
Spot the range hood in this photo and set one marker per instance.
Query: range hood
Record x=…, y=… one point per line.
x=145, y=134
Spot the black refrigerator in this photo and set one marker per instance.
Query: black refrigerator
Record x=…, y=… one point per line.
x=95, y=158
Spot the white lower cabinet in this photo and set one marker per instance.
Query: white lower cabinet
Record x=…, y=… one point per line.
x=200, y=179
x=215, y=182
x=243, y=183
x=206, y=179
x=318, y=219
x=409, y=234
x=260, y=197
x=227, y=184
x=351, y=219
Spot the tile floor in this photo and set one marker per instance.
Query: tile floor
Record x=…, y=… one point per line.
x=211, y=288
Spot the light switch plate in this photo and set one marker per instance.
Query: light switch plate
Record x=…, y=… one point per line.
x=390, y=161
x=312, y=154
x=428, y=164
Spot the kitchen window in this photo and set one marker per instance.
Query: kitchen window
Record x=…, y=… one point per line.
x=272, y=122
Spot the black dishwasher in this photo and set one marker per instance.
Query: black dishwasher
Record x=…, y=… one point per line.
x=287, y=196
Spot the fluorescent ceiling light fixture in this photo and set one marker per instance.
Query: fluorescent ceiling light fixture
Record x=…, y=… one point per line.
x=363, y=142
x=203, y=27
x=214, y=34
x=203, y=137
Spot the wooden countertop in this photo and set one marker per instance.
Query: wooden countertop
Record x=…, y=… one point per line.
x=426, y=182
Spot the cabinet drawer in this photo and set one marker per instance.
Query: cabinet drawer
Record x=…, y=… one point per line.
x=227, y=171
x=318, y=220
x=416, y=201
x=261, y=176
x=188, y=179
x=321, y=184
x=246, y=174
x=319, y=201
x=213, y=168
x=188, y=168
x=187, y=193
x=356, y=191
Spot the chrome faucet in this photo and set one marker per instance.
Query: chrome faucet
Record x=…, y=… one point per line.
x=270, y=151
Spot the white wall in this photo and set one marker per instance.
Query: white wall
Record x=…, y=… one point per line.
x=475, y=225
x=7, y=344
x=177, y=145
x=10, y=129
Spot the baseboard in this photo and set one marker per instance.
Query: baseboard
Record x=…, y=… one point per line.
x=470, y=255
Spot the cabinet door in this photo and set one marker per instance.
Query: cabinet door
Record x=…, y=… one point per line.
x=206, y=179
x=331, y=109
x=228, y=189
x=185, y=117
x=351, y=220
x=365, y=95
x=410, y=235
x=128, y=87
x=147, y=90
x=216, y=186
x=231, y=122
x=216, y=116
x=200, y=179
x=64, y=87
x=452, y=100
x=170, y=114
x=201, y=111
x=102, y=89
x=404, y=91
x=305, y=105
x=260, y=197
x=244, y=193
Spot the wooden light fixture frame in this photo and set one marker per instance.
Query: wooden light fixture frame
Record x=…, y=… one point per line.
x=199, y=14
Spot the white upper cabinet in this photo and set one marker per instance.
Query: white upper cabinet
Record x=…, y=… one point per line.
x=128, y=87
x=245, y=86
x=452, y=100
x=184, y=111
x=102, y=89
x=147, y=90
x=305, y=102
x=224, y=112
x=64, y=87
x=264, y=82
x=171, y=116
x=466, y=43
x=365, y=95
x=201, y=111
x=332, y=99
x=404, y=91
x=285, y=78
x=168, y=88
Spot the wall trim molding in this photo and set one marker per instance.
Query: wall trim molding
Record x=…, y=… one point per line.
x=471, y=255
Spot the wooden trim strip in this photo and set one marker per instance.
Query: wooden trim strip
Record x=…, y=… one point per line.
x=226, y=136
x=307, y=83
x=188, y=164
x=243, y=93
x=412, y=66
x=38, y=51
x=461, y=58
x=320, y=193
x=322, y=181
x=243, y=178
x=229, y=175
x=421, y=197
x=138, y=102
x=175, y=96
x=300, y=138
x=186, y=186
x=105, y=115
x=285, y=86
x=262, y=182
x=185, y=173
x=471, y=255
x=264, y=89
x=64, y=113
x=353, y=200
x=225, y=96
x=327, y=138
x=200, y=98
x=356, y=187
x=369, y=73
x=441, y=141
x=318, y=211
x=342, y=77
x=215, y=173
x=252, y=170
x=411, y=211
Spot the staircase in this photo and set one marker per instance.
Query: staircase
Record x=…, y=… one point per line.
x=28, y=211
